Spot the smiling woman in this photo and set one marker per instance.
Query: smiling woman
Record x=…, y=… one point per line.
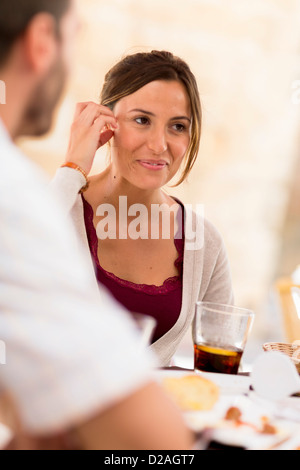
x=154, y=139
x=150, y=116
x=137, y=70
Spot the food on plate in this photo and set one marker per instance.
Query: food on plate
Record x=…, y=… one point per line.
x=267, y=427
x=235, y=415
x=192, y=392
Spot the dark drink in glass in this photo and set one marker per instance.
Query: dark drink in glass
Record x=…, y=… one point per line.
x=214, y=359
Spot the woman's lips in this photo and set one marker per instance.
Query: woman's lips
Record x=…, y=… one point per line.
x=153, y=165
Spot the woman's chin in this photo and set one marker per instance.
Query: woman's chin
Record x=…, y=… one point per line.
x=150, y=184
x=152, y=181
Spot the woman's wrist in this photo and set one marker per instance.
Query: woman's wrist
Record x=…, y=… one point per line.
x=82, y=163
x=78, y=168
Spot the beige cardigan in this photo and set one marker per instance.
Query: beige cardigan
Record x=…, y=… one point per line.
x=206, y=274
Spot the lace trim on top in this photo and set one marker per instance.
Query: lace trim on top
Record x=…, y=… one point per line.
x=169, y=284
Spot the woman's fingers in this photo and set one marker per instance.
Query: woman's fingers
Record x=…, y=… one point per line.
x=93, y=126
x=105, y=121
x=88, y=113
x=79, y=108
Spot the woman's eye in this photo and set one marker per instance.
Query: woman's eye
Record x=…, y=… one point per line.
x=142, y=120
x=179, y=127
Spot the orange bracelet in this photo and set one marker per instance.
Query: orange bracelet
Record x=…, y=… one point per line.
x=76, y=167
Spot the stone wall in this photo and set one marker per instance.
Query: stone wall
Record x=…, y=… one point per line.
x=246, y=56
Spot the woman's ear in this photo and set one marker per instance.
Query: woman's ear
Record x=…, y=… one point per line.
x=40, y=43
x=105, y=137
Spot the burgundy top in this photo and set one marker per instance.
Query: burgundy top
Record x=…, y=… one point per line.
x=160, y=302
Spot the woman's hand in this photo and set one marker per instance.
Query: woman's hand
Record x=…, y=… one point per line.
x=92, y=127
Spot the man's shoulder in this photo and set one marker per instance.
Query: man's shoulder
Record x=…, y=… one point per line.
x=22, y=182
x=18, y=168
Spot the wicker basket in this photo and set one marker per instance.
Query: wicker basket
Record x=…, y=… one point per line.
x=290, y=350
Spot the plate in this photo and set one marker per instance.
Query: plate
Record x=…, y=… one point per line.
x=228, y=384
x=247, y=432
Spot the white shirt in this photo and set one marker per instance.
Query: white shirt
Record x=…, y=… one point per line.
x=70, y=349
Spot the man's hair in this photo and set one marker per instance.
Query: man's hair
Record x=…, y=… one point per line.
x=15, y=16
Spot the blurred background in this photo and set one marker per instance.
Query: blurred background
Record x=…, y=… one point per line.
x=246, y=57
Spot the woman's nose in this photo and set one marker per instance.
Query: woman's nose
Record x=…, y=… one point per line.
x=157, y=142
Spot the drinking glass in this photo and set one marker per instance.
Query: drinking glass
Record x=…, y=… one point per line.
x=220, y=333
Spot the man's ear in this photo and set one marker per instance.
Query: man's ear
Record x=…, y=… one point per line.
x=41, y=43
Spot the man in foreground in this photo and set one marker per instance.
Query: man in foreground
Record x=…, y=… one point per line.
x=73, y=374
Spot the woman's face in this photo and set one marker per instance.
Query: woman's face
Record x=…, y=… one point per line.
x=153, y=134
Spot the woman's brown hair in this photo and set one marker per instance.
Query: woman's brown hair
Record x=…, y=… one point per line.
x=137, y=70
